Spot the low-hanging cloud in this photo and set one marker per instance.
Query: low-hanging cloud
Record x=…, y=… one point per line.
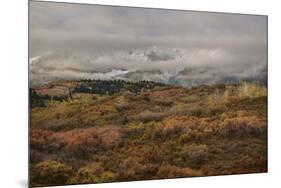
x=84, y=41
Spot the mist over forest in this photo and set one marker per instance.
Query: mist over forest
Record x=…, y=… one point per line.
x=187, y=48
x=169, y=66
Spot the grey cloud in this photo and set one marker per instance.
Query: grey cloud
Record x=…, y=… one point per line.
x=100, y=37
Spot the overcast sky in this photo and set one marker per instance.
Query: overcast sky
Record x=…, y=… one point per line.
x=203, y=37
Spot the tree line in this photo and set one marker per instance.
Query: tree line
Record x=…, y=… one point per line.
x=101, y=87
x=114, y=86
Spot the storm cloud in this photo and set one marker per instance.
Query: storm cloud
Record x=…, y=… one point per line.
x=88, y=39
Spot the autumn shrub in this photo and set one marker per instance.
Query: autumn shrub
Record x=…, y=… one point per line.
x=60, y=124
x=135, y=168
x=107, y=177
x=188, y=136
x=84, y=175
x=240, y=165
x=129, y=169
x=222, y=95
x=242, y=127
x=195, y=111
x=147, y=116
x=185, y=128
x=109, y=162
x=39, y=139
x=214, y=98
x=92, y=173
x=174, y=127
x=248, y=164
x=150, y=129
x=167, y=132
x=251, y=90
x=171, y=131
x=86, y=146
x=200, y=110
x=129, y=95
x=215, y=110
x=130, y=162
x=50, y=173
x=151, y=154
x=162, y=102
x=145, y=96
x=80, y=143
x=43, y=140
x=36, y=156
x=195, y=154
x=169, y=171
x=122, y=105
x=134, y=130
x=84, y=142
x=197, y=134
x=189, y=98
x=234, y=114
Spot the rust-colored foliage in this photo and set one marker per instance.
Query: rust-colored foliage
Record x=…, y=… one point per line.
x=160, y=132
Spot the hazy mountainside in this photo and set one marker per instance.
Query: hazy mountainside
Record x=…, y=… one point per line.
x=93, y=131
x=170, y=66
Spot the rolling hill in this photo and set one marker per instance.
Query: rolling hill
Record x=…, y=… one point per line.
x=121, y=131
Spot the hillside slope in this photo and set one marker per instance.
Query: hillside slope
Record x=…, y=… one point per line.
x=123, y=131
